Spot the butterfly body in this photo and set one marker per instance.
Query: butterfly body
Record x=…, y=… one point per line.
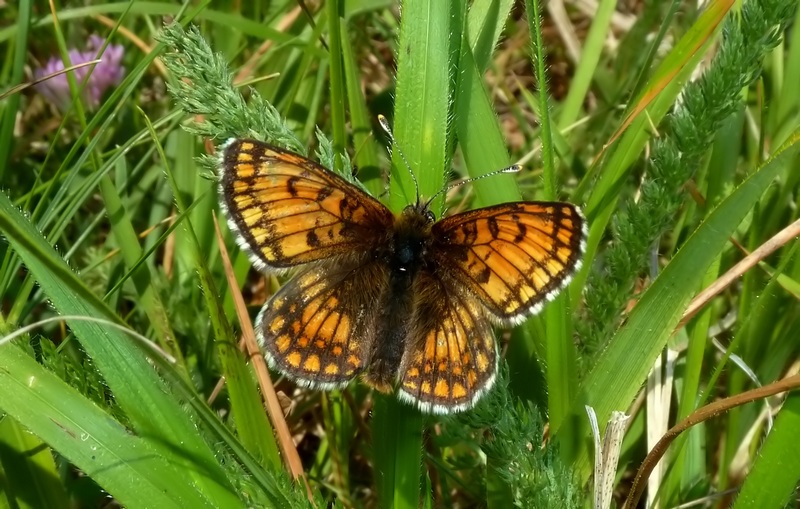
x=404, y=300
x=404, y=254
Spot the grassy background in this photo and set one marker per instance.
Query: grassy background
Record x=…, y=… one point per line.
x=675, y=130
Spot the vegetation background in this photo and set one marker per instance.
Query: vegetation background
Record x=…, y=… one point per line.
x=674, y=127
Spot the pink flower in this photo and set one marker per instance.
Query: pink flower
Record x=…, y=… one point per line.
x=107, y=73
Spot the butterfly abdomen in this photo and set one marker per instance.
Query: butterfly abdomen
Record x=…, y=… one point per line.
x=392, y=329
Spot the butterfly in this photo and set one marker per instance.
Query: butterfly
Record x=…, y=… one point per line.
x=403, y=300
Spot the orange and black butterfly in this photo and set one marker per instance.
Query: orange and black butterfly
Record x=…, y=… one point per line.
x=403, y=300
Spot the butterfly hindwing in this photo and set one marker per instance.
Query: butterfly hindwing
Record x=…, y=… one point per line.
x=287, y=210
x=319, y=327
x=451, y=357
x=512, y=256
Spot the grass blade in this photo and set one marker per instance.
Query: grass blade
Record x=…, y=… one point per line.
x=622, y=368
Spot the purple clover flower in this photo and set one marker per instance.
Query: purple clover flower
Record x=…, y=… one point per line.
x=106, y=74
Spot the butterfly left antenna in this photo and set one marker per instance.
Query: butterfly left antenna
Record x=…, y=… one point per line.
x=388, y=130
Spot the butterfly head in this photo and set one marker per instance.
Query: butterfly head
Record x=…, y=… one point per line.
x=414, y=224
x=420, y=213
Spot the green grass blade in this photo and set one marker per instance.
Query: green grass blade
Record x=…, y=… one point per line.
x=485, y=22
x=589, y=58
x=335, y=11
x=10, y=109
x=32, y=474
x=422, y=102
x=244, y=25
x=657, y=97
x=397, y=453
x=789, y=102
x=622, y=368
x=421, y=127
x=137, y=388
x=254, y=428
x=479, y=135
x=126, y=466
x=776, y=471
x=562, y=379
x=365, y=146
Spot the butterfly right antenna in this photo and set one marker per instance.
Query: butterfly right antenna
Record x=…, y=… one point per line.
x=510, y=169
x=388, y=130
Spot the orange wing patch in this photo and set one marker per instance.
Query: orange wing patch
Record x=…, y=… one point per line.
x=450, y=358
x=513, y=256
x=316, y=329
x=287, y=210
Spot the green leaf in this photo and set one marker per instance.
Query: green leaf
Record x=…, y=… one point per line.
x=28, y=464
x=622, y=368
x=776, y=470
x=130, y=468
x=136, y=386
x=421, y=131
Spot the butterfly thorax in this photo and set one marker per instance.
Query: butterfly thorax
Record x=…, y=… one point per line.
x=406, y=255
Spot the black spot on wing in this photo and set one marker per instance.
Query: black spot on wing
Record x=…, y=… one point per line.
x=291, y=185
x=324, y=193
x=470, y=231
x=312, y=239
x=494, y=228
x=523, y=230
x=483, y=276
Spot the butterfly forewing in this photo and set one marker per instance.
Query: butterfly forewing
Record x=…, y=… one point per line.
x=512, y=256
x=287, y=210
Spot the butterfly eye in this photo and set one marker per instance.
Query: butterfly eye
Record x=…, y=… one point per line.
x=430, y=216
